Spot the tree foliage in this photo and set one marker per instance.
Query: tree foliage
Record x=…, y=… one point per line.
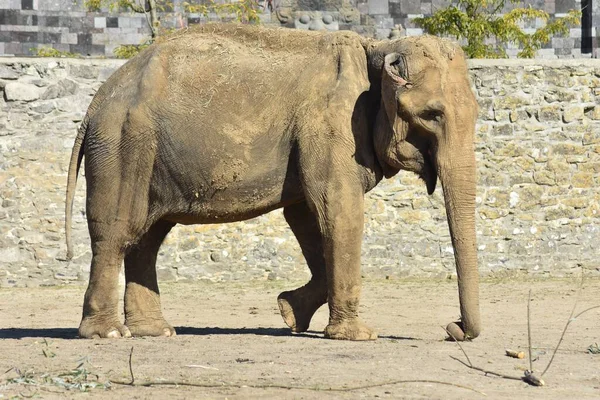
x=486, y=32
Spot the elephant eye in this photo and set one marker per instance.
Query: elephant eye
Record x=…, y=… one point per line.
x=432, y=115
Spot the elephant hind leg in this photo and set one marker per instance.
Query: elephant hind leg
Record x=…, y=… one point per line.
x=100, y=314
x=118, y=171
x=297, y=307
x=143, y=314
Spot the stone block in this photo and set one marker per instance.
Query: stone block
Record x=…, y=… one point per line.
x=99, y=22
x=17, y=91
x=8, y=73
x=83, y=71
x=573, y=113
x=124, y=22
x=378, y=7
x=414, y=32
x=583, y=180
x=564, y=6
x=549, y=113
x=562, y=95
x=410, y=6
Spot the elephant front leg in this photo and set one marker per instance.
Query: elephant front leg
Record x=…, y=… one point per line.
x=343, y=226
x=143, y=314
x=339, y=206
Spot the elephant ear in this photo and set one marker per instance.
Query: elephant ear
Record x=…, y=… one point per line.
x=394, y=82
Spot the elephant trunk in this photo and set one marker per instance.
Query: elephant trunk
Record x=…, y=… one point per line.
x=458, y=178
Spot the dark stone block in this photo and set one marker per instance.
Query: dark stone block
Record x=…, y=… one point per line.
x=562, y=52
x=5, y=37
x=34, y=20
x=26, y=19
x=9, y=17
x=68, y=22
x=563, y=6
x=74, y=24
x=112, y=22
x=395, y=10
x=23, y=37
x=49, y=37
x=51, y=21
x=26, y=4
x=84, y=38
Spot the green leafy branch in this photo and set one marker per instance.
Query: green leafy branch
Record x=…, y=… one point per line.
x=479, y=24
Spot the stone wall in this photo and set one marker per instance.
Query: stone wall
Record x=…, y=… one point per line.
x=538, y=148
x=69, y=26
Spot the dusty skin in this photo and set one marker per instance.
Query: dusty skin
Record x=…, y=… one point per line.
x=232, y=334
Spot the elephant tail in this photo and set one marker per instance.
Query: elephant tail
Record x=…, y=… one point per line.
x=74, y=164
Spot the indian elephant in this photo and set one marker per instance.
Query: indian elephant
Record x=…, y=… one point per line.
x=227, y=122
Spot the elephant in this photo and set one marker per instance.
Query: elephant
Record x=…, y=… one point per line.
x=226, y=122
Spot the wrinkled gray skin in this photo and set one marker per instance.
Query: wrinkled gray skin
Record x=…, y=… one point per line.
x=226, y=123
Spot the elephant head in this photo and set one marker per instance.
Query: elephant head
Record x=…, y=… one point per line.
x=426, y=124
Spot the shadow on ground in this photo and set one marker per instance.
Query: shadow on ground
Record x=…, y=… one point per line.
x=71, y=333
x=54, y=333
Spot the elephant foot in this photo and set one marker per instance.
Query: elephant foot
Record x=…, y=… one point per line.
x=297, y=307
x=158, y=327
x=353, y=329
x=99, y=327
x=457, y=332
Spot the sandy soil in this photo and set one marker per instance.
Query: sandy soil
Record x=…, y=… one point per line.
x=231, y=337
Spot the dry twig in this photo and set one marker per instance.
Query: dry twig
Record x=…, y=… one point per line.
x=571, y=319
x=470, y=364
x=276, y=386
x=131, y=367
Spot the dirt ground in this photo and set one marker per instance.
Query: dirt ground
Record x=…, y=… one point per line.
x=231, y=337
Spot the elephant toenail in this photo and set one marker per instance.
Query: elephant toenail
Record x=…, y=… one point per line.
x=113, y=334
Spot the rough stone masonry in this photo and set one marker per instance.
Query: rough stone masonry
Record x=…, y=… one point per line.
x=538, y=204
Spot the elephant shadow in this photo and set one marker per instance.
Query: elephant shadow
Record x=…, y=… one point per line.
x=71, y=333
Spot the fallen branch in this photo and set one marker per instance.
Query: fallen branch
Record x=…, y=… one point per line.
x=277, y=386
